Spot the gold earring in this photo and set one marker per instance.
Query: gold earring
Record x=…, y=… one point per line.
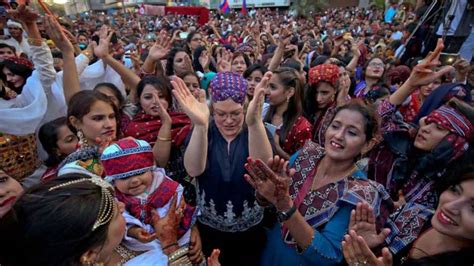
x=82, y=139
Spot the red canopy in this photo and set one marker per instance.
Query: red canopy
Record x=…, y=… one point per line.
x=201, y=12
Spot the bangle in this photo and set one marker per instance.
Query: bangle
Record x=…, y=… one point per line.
x=35, y=41
x=179, y=257
x=164, y=139
x=170, y=245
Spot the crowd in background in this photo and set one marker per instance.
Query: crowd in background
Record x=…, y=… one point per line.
x=339, y=137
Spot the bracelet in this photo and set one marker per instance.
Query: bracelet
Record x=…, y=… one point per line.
x=170, y=245
x=179, y=257
x=164, y=139
x=35, y=41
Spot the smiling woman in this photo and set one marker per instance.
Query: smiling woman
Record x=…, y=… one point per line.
x=316, y=197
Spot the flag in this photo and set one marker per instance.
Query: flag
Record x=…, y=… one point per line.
x=244, y=8
x=141, y=11
x=224, y=7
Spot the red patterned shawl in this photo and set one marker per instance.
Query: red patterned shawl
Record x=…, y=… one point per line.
x=318, y=206
x=157, y=199
x=146, y=127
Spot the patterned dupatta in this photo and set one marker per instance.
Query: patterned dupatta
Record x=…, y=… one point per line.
x=319, y=206
x=146, y=127
x=157, y=199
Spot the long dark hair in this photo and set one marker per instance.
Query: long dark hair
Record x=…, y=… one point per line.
x=170, y=60
x=255, y=67
x=288, y=78
x=48, y=136
x=81, y=103
x=17, y=69
x=115, y=91
x=160, y=83
x=189, y=39
x=309, y=106
x=53, y=227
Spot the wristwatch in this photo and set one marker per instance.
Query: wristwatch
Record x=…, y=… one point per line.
x=285, y=215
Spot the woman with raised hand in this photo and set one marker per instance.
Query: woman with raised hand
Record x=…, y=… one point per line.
x=314, y=198
x=22, y=112
x=327, y=88
x=286, y=112
x=412, y=161
x=215, y=154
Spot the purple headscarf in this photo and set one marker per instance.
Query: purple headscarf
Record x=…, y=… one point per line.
x=227, y=85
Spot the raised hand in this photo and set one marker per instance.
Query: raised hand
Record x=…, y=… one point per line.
x=362, y=221
x=205, y=60
x=163, y=113
x=24, y=14
x=166, y=227
x=271, y=180
x=224, y=60
x=284, y=37
x=102, y=49
x=356, y=252
x=196, y=109
x=161, y=48
x=56, y=33
x=424, y=73
x=254, y=110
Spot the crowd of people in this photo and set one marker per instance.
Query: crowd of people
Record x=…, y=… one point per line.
x=265, y=139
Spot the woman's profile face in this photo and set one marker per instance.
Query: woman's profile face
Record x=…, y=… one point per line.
x=67, y=141
x=10, y=191
x=454, y=216
x=99, y=123
x=429, y=135
x=115, y=233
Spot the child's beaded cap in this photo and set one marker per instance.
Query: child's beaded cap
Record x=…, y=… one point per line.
x=127, y=157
